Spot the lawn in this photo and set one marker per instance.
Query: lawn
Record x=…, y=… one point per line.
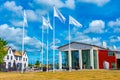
x=64, y=75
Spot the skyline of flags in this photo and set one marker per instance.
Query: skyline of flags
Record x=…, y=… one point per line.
x=59, y=15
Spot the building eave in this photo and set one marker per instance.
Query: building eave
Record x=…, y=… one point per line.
x=83, y=44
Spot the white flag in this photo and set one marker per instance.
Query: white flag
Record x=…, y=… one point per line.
x=25, y=19
x=46, y=23
x=49, y=23
x=104, y=44
x=59, y=15
x=74, y=22
x=114, y=47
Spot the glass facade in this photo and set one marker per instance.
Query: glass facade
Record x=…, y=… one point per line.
x=86, y=62
x=95, y=58
x=65, y=59
x=86, y=59
x=75, y=59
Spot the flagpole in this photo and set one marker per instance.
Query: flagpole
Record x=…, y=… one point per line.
x=47, y=44
x=53, y=44
x=22, y=47
x=47, y=49
x=42, y=46
x=62, y=19
x=69, y=41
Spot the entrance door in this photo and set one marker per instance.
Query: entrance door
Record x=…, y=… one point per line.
x=9, y=66
x=118, y=63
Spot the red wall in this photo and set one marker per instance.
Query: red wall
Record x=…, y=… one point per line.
x=103, y=56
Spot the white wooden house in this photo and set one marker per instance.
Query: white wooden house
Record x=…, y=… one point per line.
x=15, y=60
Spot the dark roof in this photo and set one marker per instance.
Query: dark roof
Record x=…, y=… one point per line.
x=83, y=44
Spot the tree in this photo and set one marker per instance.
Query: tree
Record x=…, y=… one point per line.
x=30, y=65
x=3, y=43
x=37, y=64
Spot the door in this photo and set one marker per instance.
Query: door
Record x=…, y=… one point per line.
x=118, y=63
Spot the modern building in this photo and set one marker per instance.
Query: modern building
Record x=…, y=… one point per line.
x=15, y=60
x=85, y=56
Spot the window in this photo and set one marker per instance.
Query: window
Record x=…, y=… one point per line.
x=16, y=58
x=19, y=58
x=26, y=59
x=9, y=51
x=111, y=53
x=23, y=59
x=11, y=57
x=24, y=65
x=7, y=57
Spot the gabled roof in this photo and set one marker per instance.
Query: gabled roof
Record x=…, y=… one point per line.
x=81, y=43
x=18, y=53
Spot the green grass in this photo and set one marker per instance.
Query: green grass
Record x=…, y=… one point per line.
x=74, y=75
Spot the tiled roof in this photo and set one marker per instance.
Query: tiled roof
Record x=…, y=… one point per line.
x=17, y=53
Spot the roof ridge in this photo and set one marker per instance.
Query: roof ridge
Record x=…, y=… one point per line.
x=82, y=43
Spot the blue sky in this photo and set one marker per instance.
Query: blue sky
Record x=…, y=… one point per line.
x=100, y=21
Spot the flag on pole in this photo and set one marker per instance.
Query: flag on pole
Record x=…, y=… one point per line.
x=59, y=15
x=74, y=22
x=25, y=19
x=104, y=44
x=47, y=23
x=114, y=47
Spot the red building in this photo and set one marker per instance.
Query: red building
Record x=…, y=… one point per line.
x=109, y=56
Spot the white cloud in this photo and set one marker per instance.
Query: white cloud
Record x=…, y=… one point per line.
x=54, y=47
x=32, y=41
x=58, y=3
x=78, y=36
x=57, y=41
x=13, y=7
x=41, y=12
x=114, y=23
x=12, y=46
x=31, y=15
x=115, y=39
x=15, y=37
x=17, y=23
x=97, y=2
x=96, y=26
x=14, y=34
x=70, y=4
